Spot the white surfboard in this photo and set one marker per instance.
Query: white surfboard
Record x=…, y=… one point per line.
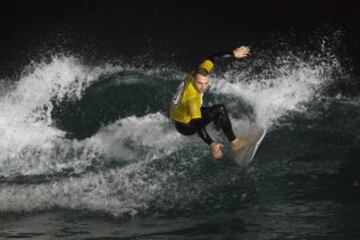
x=244, y=156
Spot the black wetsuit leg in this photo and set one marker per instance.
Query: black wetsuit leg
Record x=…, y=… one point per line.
x=219, y=115
x=216, y=113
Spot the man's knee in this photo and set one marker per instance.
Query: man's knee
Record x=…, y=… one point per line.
x=220, y=109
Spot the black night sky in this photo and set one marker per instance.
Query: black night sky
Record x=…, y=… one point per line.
x=86, y=27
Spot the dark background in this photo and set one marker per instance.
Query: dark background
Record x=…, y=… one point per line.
x=163, y=31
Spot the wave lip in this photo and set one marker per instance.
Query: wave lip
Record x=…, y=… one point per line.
x=30, y=143
x=288, y=90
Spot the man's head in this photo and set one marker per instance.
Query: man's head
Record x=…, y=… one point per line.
x=201, y=80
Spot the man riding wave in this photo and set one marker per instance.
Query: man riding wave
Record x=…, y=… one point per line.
x=191, y=117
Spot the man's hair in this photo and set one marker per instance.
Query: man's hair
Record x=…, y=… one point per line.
x=202, y=71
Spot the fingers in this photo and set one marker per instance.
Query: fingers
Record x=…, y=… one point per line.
x=241, y=52
x=217, y=155
x=217, y=151
x=245, y=50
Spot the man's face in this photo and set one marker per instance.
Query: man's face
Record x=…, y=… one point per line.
x=201, y=83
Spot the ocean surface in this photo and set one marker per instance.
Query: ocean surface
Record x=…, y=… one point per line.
x=87, y=150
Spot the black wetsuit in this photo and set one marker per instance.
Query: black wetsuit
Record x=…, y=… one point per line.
x=217, y=114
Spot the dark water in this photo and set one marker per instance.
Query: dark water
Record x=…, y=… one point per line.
x=87, y=150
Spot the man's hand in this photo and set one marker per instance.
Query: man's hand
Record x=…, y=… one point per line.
x=216, y=150
x=241, y=52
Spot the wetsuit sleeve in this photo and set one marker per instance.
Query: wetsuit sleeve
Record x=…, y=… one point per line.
x=208, y=63
x=201, y=130
x=215, y=56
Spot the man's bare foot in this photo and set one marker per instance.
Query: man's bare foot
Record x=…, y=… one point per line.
x=239, y=143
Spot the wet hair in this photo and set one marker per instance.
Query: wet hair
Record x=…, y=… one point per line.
x=202, y=71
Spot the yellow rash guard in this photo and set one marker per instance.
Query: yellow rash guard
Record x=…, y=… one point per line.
x=187, y=101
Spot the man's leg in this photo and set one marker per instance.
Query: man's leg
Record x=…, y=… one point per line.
x=219, y=115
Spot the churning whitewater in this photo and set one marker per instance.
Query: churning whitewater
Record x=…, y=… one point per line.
x=132, y=161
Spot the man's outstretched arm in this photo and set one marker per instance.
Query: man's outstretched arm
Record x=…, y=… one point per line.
x=239, y=52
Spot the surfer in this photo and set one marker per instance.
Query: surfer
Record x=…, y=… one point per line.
x=191, y=117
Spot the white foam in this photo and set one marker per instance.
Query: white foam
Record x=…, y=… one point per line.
x=30, y=144
x=127, y=137
x=273, y=97
x=119, y=192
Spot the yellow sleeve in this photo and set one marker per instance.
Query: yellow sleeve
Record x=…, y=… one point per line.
x=207, y=64
x=194, y=105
